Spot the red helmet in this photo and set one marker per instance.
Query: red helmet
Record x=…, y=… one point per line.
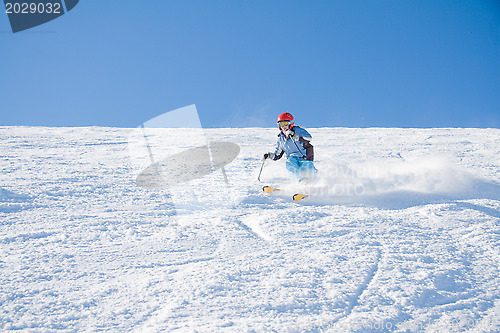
x=285, y=116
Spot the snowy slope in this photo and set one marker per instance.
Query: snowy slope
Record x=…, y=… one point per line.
x=403, y=236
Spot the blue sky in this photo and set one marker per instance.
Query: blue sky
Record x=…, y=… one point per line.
x=392, y=63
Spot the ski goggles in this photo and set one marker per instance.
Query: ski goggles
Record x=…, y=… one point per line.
x=283, y=123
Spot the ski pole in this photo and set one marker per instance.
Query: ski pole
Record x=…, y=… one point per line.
x=261, y=167
x=303, y=156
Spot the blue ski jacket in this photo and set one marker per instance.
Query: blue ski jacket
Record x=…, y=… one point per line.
x=301, y=147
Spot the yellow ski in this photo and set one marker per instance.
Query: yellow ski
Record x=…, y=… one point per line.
x=269, y=189
x=298, y=196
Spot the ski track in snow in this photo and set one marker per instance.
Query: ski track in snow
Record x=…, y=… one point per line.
x=401, y=234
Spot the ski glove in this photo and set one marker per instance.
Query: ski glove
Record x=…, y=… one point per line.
x=291, y=134
x=268, y=155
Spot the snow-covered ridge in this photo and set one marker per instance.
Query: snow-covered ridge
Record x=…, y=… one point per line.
x=403, y=235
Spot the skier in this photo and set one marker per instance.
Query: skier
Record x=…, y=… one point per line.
x=294, y=142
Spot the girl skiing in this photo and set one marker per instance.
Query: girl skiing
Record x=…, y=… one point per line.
x=294, y=142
